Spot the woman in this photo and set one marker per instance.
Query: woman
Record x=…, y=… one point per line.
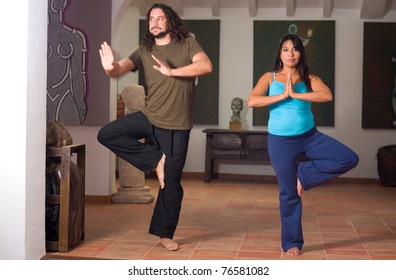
x=289, y=91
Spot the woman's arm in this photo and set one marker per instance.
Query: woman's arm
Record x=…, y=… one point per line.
x=258, y=96
x=320, y=92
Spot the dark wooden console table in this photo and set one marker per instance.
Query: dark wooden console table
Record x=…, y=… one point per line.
x=236, y=145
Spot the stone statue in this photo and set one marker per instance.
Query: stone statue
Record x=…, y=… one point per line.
x=236, y=107
x=131, y=179
x=57, y=135
x=133, y=97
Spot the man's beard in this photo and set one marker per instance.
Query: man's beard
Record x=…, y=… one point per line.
x=160, y=35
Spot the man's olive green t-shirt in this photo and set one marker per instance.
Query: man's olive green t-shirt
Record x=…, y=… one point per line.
x=169, y=101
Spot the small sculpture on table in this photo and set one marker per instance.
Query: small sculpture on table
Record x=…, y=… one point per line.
x=236, y=107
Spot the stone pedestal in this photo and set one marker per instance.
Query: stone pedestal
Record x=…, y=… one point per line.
x=132, y=188
x=235, y=125
x=131, y=179
x=133, y=195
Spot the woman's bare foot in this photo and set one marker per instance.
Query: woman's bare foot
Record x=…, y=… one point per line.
x=160, y=171
x=299, y=187
x=294, y=251
x=169, y=244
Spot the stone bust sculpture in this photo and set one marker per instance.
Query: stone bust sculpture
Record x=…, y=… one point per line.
x=236, y=107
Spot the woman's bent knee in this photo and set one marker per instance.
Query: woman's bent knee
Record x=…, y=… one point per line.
x=352, y=161
x=355, y=160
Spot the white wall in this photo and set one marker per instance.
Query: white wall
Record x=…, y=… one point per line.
x=236, y=72
x=99, y=162
x=22, y=115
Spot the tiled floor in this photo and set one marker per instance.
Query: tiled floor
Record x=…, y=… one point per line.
x=240, y=221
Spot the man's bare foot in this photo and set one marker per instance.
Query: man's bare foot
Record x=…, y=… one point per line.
x=294, y=251
x=299, y=187
x=169, y=244
x=160, y=171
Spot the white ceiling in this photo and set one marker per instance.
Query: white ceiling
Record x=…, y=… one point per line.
x=369, y=9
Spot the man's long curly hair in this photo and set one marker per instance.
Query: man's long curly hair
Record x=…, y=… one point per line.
x=176, y=26
x=302, y=67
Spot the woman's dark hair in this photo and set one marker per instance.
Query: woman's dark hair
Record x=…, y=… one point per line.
x=176, y=26
x=302, y=67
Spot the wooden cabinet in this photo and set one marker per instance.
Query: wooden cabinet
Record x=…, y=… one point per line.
x=241, y=145
x=70, y=222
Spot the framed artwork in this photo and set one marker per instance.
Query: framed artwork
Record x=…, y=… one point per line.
x=319, y=41
x=379, y=75
x=77, y=86
x=67, y=79
x=207, y=33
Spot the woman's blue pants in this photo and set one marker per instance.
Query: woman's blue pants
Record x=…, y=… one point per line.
x=327, y=159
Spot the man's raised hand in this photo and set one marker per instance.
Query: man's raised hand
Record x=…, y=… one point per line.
x=106, y=57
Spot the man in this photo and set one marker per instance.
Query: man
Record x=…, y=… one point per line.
x=171, y=60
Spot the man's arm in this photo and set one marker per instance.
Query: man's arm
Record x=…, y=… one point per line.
x=114, y=68
x=200, y=65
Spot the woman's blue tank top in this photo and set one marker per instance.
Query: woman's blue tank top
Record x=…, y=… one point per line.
x=289, y=117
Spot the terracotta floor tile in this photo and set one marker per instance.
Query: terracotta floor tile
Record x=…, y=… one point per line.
x=218, y=246
x=125, y=250
x=241, y=221
x=201, y=254
x=385, y=254
x=347, y=257
x=261, y=255
x=305, y=255
x=343, y=244
x=261, y=247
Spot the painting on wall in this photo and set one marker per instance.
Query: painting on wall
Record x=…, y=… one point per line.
x=379, y=75
x=77, y=87
x=319, y=41
x=207, y=33
x=67, y=87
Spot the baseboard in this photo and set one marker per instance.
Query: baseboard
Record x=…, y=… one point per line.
x=55, y=256
x=266, y=178
x=98, y=198
x=243, y=178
